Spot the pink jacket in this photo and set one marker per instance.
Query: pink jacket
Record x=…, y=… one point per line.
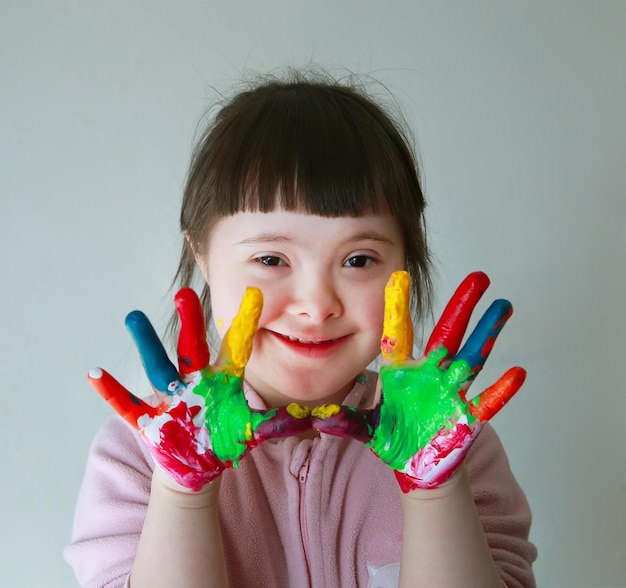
x=321, y=512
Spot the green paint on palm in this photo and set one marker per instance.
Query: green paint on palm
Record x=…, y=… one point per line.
x=228, y=417
x=419, y=399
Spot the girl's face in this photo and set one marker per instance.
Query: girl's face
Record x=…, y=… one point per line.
x=323, y=283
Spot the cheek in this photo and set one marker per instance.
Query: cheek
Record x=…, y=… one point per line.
x=370, y=311
x=224, y=306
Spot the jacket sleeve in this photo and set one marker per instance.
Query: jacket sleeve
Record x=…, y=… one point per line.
x=503, y=510
x=111, y=508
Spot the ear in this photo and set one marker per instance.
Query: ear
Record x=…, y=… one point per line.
x=199, y=256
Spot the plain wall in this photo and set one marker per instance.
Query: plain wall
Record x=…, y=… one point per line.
x=519, y=115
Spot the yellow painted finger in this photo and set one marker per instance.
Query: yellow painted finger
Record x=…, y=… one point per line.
x=396, y=343
x=237, y=344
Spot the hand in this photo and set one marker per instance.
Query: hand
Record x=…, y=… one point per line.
x=201, y=423
x=425, y=424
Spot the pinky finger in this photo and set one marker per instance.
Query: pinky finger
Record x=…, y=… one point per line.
x=123, y=402
x=491, y=400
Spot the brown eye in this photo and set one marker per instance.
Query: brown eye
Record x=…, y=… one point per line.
x=359, y=261
x=270, y=260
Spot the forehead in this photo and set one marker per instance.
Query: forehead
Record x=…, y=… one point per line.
x=295, y=228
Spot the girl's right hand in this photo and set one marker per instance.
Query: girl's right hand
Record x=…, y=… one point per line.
x=202, y=423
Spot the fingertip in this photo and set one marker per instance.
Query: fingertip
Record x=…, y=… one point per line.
x=134, y=318
x=185, y=293
x=253, y=296
x=186, y=298
x=479, y=279
x=518, y=375
x=504, y=307
x=251, y=303
x=95, y=374
x=399, y=279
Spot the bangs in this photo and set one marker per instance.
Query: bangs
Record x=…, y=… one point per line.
x=308, y=148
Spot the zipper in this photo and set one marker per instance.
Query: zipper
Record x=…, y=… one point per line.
x=303, y=472
x=302, y=476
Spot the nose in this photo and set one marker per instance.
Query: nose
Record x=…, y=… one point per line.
x=316, y=299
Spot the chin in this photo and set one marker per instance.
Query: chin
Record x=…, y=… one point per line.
x=313, y=390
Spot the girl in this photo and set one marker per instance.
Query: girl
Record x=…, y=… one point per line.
x=303, y=198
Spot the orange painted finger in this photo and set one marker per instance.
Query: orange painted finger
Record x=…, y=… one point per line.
x=237, y=344
x=123, y=402
x=396, y=343
x=491, y=400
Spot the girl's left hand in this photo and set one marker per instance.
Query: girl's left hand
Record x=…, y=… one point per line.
x=425, y=425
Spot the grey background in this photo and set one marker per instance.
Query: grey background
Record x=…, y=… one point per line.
x=519, y=115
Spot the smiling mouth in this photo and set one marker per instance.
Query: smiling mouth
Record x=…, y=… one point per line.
x=305, y=342
x=310, y=346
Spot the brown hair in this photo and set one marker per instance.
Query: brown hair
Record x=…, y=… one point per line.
x=314, y=145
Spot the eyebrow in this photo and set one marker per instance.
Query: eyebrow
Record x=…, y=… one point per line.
x=280, y=238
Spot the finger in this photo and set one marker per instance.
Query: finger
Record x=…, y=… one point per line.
x=237, y=344
x=123, y=402
x=345, y=421
x=479, y=344
x=286, y=421
x=193, y=350
x=489, y=402
x=450, y=328
x=159, y=369
x=396, y=343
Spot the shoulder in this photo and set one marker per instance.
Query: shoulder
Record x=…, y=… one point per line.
x=111, y=506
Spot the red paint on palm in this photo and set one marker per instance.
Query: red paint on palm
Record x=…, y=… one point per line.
x=177, y=450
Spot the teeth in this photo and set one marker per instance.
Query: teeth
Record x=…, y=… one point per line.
x=307, y=342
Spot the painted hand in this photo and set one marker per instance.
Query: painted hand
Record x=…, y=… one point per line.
x=202, y=423
x=425, y=424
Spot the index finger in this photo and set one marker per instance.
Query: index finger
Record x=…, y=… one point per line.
x=237, y=344
x=396, y=343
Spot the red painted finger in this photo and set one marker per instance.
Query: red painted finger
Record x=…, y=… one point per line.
x=193, y=350
x=451, y=327
x=491, y=400
x=123, y=402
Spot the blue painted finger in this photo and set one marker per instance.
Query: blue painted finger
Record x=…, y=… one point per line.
x=160, y=370
x=479, y=344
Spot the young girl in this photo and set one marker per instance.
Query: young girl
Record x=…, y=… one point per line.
x=276, y=463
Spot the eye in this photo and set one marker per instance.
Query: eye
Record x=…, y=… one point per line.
x=269, y=260
x=359, y=261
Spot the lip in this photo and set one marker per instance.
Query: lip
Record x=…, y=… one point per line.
x=311, y=349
